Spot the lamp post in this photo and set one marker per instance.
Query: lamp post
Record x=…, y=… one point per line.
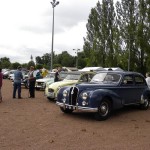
x=54, y=4
x=129, y=52
x=77, y=56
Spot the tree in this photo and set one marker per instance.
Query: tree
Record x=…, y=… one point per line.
x=99, y=42
x=15, y=65
x=30, y=63
x=46, y=59
x=38, y=60
x=65, y=59
x=127, y=21
x=5, y=62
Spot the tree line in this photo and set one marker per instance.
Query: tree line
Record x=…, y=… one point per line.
x=118, y=35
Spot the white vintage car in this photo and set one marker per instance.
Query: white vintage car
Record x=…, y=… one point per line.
x=40, y=84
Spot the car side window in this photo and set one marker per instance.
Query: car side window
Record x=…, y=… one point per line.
x=139, y=80
x=90, y=76
x=127, y=80
x=84, y=78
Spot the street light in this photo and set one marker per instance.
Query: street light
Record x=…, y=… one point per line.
x=129, y=56
x=77, y=56
x=54, y=4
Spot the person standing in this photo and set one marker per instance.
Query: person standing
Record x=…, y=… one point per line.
x=32, y=79
x=44, y=72
x=17, y=82
x=1, y=82
x=57, y=75
x=148, y=79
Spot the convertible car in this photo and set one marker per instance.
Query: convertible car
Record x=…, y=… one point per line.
x=108, y=90
x=71, y=78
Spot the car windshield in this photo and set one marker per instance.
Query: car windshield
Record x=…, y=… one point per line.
x=72, y=77
x=63, y=75
x=50, y=75
x=106, y=78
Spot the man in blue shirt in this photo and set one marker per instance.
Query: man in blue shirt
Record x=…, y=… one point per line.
x=17, y=82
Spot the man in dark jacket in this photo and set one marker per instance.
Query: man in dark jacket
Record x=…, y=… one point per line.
x=32, y=79
x=57, y=75
x=17, y=82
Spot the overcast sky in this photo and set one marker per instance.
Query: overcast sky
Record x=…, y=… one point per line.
x=26, y=27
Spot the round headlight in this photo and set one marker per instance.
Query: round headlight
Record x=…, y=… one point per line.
x=58, y=88
x=65, y=93
x=84, y=96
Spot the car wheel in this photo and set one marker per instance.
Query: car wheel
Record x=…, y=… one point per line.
x=145, y=105
x=104, y=110
x=66, y=110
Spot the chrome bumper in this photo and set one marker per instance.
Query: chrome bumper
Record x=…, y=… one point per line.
x=78, y=108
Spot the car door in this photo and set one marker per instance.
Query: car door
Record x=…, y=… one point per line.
x=127, y=89
x=140, y=86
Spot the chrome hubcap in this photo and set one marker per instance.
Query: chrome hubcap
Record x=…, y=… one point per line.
x=104, y=109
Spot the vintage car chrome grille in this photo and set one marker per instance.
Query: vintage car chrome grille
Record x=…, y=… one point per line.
x=73, y=96
x=50, y=90
x=40, y=83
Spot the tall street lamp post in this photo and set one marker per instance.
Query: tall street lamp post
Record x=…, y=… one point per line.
x=54, y=4
x=129, y=55
x=77, y=56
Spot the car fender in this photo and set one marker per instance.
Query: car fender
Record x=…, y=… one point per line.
x=146, y=94
x=96, y=96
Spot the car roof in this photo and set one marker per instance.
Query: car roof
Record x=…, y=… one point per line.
x=79, y=72
x=121, y=72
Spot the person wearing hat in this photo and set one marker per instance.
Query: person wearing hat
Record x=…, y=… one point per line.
x=17, y=82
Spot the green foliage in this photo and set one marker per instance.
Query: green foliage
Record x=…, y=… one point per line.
x=30, y=63
x=24, y=65
x=119, y=36
x=5, y=62
x=15, y=65
x=57, y=65
x=39, y=66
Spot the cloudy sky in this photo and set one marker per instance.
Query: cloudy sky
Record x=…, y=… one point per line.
x=26, y=27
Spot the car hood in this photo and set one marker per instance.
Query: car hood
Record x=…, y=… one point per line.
x=83, y=86
x=44, y=80
x=62, y=83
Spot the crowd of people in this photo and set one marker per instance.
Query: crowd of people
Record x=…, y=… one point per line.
x=32, y=76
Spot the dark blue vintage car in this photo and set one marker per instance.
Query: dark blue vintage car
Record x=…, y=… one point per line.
x=108, y=90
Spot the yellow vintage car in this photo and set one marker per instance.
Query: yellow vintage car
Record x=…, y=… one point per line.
x=72, y=78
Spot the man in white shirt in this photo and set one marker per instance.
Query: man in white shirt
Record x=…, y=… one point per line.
x=148, y=79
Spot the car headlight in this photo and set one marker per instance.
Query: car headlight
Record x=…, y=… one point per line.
x=58, y=88
x=84, y=96
x=65, y=93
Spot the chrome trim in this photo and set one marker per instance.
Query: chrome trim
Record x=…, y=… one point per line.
x=87, y=109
